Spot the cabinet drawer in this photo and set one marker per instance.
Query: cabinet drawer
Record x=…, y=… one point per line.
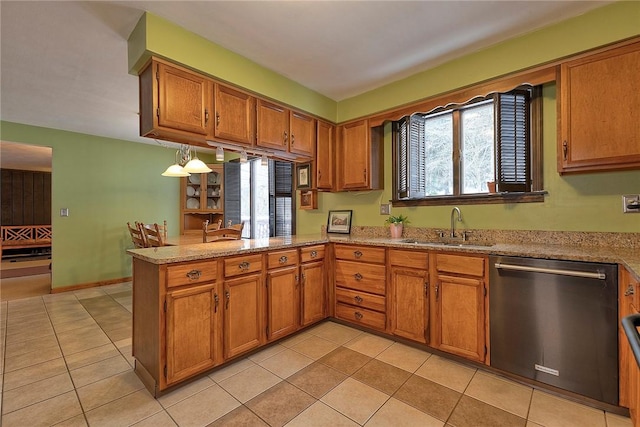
x=413, y=259
x=242, y=265
x=282, y=258
x=312, y=253
x=361, y=299
x=467, y=265
x=361, y=276
x=192, y=273
x=360, y=253
x=370, y=318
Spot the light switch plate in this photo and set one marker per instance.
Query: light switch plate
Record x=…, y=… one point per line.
x=385, y=209
x=631, y=203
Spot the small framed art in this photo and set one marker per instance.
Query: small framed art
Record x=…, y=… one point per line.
x=339, y=222
x=309, y=199
x=303, y=175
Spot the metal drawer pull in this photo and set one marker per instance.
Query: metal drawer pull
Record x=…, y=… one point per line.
x=283, y=259
x=358, y=315
x=194, y=274
x=358, y=276
x=244, y=266
x=313, y=254
x=585, y=274
x=227, y=296
x=357, y=254
x=215, y=299
x=358, y=299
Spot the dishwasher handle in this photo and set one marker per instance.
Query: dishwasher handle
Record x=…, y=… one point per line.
x=630, y=324
x=585, y=274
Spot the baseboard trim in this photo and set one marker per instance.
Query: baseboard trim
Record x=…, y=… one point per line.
x=90, y=285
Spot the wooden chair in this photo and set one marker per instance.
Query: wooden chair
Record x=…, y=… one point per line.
x=137, y=235
x=153, y=235
x=163, y=228
x=210, y=234
x=239, y=226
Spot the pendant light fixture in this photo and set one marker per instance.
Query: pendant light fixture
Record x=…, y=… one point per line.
x=196, y=165
x=176, y=170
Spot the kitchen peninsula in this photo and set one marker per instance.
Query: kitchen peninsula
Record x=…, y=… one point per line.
x=199, y=306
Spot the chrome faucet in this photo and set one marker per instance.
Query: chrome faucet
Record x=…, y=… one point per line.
x=453, y=223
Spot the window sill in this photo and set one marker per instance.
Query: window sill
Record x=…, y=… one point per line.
x=475, y=199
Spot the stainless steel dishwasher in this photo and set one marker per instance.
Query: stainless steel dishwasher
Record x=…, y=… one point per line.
x=556, y=322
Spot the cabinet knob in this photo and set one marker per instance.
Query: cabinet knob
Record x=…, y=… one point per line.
x=358, y=315
x=194, y=274
x=283, y=259
x=630, y=290
x=244, y=266
x=313, y=254
x=358, y=276
x=357, y=254
x=358, y=299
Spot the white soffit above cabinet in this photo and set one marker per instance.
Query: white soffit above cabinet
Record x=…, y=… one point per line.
x=64, y=64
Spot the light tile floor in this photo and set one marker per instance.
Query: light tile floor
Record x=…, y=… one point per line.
x=66, y=360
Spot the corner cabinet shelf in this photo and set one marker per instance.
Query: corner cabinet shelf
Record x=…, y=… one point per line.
x=201, y=199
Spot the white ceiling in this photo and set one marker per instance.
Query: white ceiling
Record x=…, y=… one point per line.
x=64, y=64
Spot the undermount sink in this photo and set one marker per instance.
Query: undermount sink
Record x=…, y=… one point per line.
x=454, y=244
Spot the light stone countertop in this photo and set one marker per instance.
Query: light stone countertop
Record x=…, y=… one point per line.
x=630, y=258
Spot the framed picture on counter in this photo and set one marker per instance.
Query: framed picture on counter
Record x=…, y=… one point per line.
x=303, y=174
x=339, y=222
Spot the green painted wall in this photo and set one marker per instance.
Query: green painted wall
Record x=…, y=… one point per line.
x=585, y=202
x=104, y=183
x=156, y=36
x=599, y=27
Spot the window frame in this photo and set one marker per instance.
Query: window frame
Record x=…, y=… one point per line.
x=534, y=194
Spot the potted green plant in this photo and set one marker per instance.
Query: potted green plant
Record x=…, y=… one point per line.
x=396, y=225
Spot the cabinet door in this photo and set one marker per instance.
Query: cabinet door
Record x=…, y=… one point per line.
x=242, y=314
x=183, y=99
x=235, y=113
x=628, y=297
x=193, y=335
x=303, y=134
x=283, y=302
x=313, y=292
x=325, y=152
x=599, y=104
x=273, y=126
x=459, y=316
x=409, y=308
x=354, y=156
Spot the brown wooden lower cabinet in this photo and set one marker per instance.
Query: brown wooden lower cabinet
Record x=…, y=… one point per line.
x=629, y=297
x=283, y=302
x=313, y=299
x=193, y=331
x=242, y=314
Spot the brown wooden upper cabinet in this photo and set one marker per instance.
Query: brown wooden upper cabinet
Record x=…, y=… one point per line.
x=359, y=157
x=273, y=126
x=303, y=134
x=599, y=104
x=285, y=130
x=174, y=103
x=325, y=156
x=234, y=115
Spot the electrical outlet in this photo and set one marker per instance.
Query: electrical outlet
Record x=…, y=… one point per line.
x=64, y=212
x=385, y=209
x=631, y=203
